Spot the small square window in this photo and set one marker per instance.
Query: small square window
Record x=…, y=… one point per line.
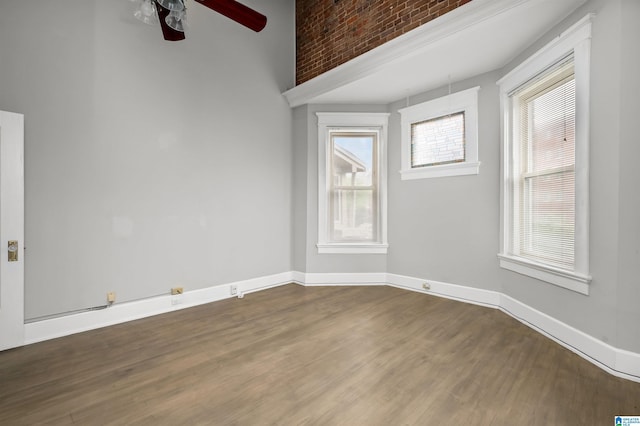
x=440, y=137
x=438, y=141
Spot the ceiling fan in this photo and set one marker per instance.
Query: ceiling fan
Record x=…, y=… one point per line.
x=171, y=15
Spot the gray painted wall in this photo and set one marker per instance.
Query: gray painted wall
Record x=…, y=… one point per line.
x=300, y=137
x=149, y=164
x=446, y=229
x=627, y=312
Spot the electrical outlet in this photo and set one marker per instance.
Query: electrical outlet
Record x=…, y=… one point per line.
x=176, y=295
x=234, y=289
x=111, y=297
x=426, y=286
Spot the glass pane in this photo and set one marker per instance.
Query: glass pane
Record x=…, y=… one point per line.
x=549, y=218
x=438, y=141
x=353, y=159
x=552, y=121
x=353, y=215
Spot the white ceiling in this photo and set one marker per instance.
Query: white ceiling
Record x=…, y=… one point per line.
x=481, y=36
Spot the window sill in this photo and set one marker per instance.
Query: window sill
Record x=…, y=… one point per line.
x=454, y=169
x=562, y=278
x=355, y=248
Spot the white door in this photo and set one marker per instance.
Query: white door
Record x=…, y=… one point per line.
x=11, y=230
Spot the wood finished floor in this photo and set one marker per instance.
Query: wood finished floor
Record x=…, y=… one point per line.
x=313, y=356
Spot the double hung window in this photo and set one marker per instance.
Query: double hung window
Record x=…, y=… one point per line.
x=353, y=188
x=545, y=161
x=544, y=189
x=352, y=183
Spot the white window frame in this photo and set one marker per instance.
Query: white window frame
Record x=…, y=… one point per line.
x=329, y=122
x=575, y=40
x=464, y=101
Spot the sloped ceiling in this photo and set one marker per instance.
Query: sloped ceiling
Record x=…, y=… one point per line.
x=480, y=36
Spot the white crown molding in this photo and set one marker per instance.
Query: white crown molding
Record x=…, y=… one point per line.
x=618, y=362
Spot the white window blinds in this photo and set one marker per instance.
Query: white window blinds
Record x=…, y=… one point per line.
x=438, y=141
x=545, y=190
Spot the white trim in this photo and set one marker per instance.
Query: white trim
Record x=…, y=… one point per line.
x=627, y=363
x=464, y=101
x=340, y=248
x=562, y=278
x=298, y=277
x=615, y=361
x=415, y=42
x=550, y=53
x=582, y=61
x=345, y=279
x=333, y=121
x=460, y=293
x=11, y=228
x=128, y=311
x=353, y=119
x=618, y=362
x=575, y=40
x=444, y=170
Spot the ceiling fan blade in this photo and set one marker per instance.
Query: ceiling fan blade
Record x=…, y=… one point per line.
x=238, y=12
x=169, y=33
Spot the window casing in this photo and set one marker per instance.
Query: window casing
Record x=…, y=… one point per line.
x=440, y=137
x=352, y=183
x=545, y=159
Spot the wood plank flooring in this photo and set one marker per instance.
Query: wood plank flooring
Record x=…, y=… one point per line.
x=312, y=356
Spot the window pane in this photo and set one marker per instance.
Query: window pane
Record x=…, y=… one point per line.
x=353, y=215
x=549, y=218
x=552, y=115
x=547, y=183
x=353, y=158
x=438, y=141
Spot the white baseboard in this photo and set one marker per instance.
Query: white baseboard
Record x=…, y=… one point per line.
x=128, y=311
x=616, y=361
x=619, y=362
x=476, y=296
x=321, y=279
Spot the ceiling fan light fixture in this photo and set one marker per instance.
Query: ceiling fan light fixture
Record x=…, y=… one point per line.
x=171, y=15
x=171, y=4
x=147, y=12
x=176, y=20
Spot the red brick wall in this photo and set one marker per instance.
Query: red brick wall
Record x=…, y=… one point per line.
x=331, y=32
